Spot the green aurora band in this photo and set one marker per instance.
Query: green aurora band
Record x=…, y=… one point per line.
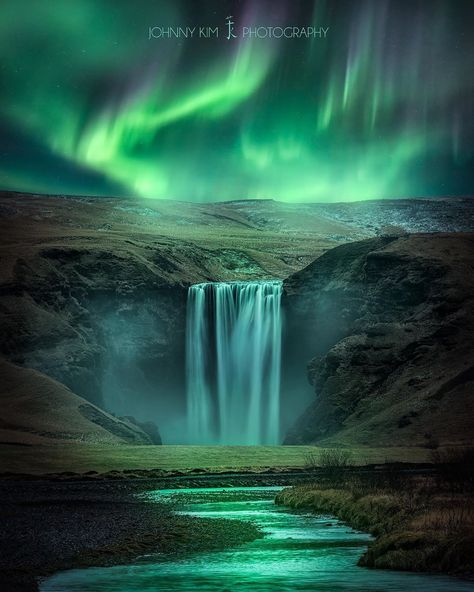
x=381, y=107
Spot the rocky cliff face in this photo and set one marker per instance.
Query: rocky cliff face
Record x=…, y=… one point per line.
x=93, y=291
x=109, y=325
x=386, y=327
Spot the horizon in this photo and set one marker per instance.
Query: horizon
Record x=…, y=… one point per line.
x=147, y=200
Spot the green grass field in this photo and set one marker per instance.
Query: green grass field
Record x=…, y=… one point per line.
x=80, y=458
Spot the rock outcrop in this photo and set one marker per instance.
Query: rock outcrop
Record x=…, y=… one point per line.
x=387, y=327
x=107, y=324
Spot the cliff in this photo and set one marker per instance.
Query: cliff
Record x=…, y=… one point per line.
x=386, y=327
x=93, y=291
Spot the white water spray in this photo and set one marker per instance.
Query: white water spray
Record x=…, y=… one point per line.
x=233, y=355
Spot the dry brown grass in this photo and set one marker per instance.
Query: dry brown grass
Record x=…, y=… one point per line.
x=421, y=522
x=329, y=458
x=456, y=517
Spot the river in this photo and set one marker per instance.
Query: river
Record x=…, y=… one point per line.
x=299, y=552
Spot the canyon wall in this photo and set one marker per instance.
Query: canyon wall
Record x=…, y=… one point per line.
x=93, y=295
x=107, y=324
x=385, y=328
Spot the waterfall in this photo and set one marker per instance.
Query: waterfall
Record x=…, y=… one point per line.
x=233, y=351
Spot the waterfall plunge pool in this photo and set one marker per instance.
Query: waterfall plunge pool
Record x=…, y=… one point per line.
x=299, y=552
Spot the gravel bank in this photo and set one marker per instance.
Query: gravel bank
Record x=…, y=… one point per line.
x=51, y=526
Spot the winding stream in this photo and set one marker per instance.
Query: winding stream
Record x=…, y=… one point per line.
x=300, y=552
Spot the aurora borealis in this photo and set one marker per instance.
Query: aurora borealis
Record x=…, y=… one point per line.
x=381, y=107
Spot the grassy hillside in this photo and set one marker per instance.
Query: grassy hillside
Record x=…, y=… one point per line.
x=37, y=410
x=96, y=288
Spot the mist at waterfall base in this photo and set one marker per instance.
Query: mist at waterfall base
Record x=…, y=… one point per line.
x=380, y=107
x=129, y=388
x=142, y=373
x=209, y=376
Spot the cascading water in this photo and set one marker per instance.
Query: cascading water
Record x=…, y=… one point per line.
x=233, y=351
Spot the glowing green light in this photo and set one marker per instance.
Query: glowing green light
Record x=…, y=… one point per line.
x=350, y=117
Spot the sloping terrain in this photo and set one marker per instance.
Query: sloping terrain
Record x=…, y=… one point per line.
x=93, y=291
x=39, y=410
x=389, y=325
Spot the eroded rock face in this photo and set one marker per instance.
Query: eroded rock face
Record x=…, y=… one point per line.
x=386, y=328
x=108, y=325
x=93, y=291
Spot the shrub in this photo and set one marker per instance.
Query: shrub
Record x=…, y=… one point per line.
x=335, y=457
x=328, y=458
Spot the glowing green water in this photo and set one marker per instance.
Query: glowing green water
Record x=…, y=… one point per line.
x=300, y=552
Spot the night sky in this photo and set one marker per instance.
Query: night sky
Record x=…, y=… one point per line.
x=381, y=107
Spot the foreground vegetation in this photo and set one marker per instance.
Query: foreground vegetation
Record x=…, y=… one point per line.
x=420, y=521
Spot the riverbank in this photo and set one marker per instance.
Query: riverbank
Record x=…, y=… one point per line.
x=298, y=552
x=422, y=518
x=420, y=522
x=51, y=526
